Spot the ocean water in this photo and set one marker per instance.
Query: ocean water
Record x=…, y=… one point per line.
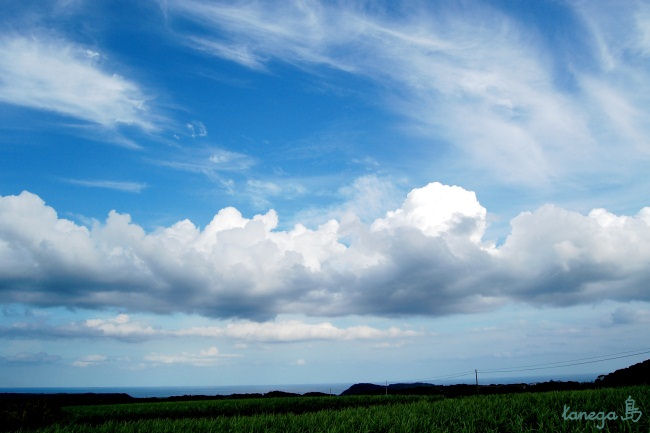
x=333, y=388
x=169, y=391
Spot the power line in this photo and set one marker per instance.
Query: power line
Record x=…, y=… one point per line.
x=447, y=376
x=450, y=376
x=570, y=360
x=539, y=366
x=563, y=363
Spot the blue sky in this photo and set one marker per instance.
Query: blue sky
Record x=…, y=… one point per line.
x=222, y=193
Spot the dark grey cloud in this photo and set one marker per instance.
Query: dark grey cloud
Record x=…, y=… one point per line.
x=628, y=315
x=39, y=331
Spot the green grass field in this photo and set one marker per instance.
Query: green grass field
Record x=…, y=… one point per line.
x=528, y=412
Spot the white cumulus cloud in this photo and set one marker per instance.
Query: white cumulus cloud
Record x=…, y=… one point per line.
x=428, y=257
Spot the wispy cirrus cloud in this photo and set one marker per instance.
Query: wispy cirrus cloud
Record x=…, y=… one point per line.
x=260, y=191
x=642, y=19
x=215, y=163
x=479, y=79
x=616, y=90
x=239, y=54
x=54, y=74
x=134, y=187
x=208, y=161
x=197, y=129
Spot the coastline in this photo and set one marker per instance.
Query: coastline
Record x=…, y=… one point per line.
x=225, y=390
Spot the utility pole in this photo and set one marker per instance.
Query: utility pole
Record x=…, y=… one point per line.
x=386, y=387
x=476, y=374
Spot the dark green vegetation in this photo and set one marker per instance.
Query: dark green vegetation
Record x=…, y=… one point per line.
x=229, y=408
x=464, y=389
x=28, y=414
x=522, y=412
x=636, y=374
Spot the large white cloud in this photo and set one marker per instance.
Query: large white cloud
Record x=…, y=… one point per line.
x=560, y=257
x=426, y=257
x=436, y=209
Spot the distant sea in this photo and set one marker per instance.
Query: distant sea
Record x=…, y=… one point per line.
x=169, y=391
x=333, y=388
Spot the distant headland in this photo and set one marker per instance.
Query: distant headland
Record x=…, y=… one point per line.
x=637, y=374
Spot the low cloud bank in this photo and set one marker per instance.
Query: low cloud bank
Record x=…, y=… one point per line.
x=123, y=328
x=427, y=257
